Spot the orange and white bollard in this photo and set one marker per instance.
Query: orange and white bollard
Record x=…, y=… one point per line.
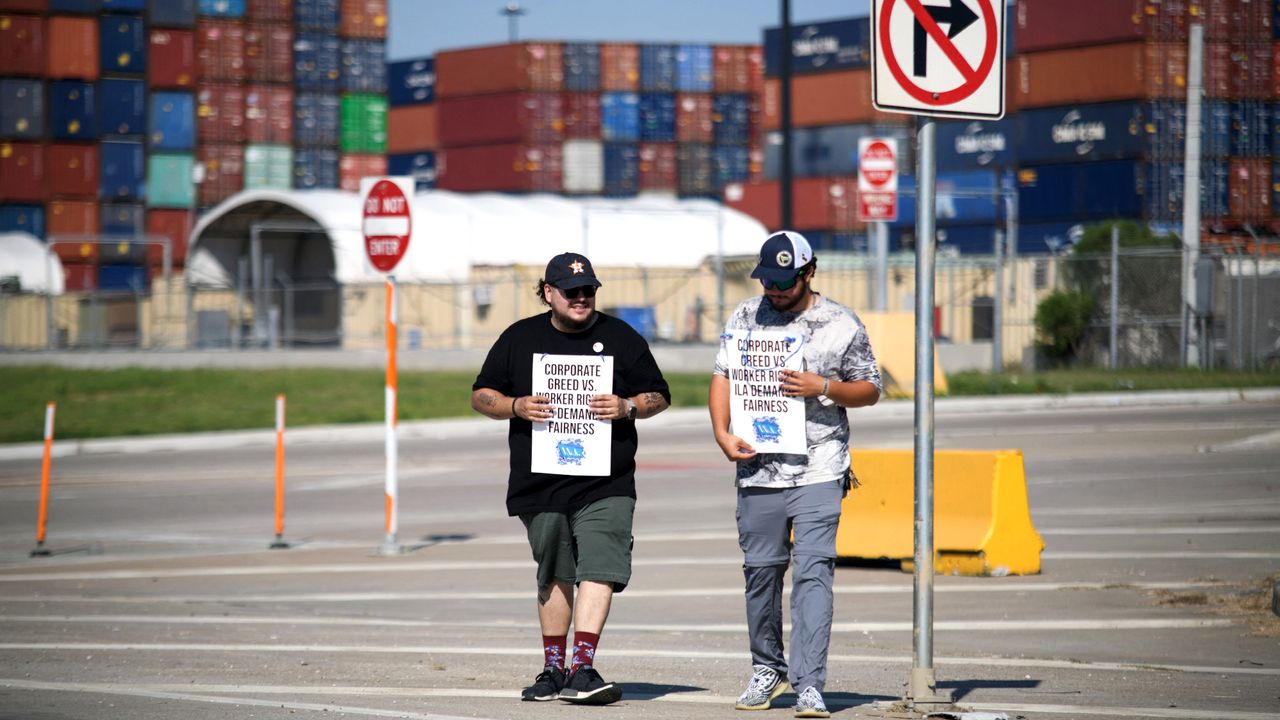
x=279, y=542
x=43, y=515
x=390, y=545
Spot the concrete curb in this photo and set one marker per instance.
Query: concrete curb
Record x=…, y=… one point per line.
x=680, y=417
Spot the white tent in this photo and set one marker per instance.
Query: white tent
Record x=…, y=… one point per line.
x=315, y=234
x=25, y=257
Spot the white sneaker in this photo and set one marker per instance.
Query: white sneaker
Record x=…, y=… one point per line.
x=765, y=685
x=810, y=704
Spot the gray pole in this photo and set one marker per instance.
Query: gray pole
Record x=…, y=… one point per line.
x=997, y=312
x=48, y=297
x=882, y=266
x=1112, y=338
x=1191, y=196
x=720, y=318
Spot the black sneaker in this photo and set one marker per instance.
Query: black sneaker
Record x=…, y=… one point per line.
x=546, y=686
x=586, y=687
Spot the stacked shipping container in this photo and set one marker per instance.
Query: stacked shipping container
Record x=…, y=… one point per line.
x=412, y=139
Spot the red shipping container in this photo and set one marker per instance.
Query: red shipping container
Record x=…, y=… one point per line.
x=1236, y=20
x=582, y=115
x=831, y=98
x=1217, y=70
x=172, y=59
x=511, y=117
x=1053, y=24
x=268, y=52
x=72, y=171
x=68, y=224
x=220, y=113
x=760, y=200
x=619, y=67
x=270, y=10
x=755, y=163
x=1249, y=185
x=220, y=50
x=21, y=45
x=737, y=68
x=175, y=225
x=71, y=48
x=363, y=19
x=1251, y=73
x=411, y=128
x=31, y=6
x=353, y=167
x=658, y=167
x=79, y=276
x=21, y=172
x=223, y=173
x=268, y=114
x=694, y=118
x=1275, y=70
x=499, y=68
x=513, y=167
x=1126, y=71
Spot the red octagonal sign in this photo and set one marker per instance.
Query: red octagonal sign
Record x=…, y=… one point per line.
x=878, y=164
x=387, y=225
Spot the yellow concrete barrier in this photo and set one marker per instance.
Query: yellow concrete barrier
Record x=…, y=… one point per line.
x=893, y=337
x=982, y=522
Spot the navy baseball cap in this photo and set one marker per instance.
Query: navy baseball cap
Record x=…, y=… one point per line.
x=782, y=256
x=570, y=270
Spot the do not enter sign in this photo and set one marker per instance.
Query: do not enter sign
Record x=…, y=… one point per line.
x=387, y=221
x=878, y=179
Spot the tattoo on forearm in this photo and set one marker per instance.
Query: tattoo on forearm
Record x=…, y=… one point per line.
x=653, y=401
x=488, y=400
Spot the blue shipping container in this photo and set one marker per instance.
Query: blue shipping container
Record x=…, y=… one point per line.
x=73, y=113
x=316, y=14
x=171, y=13
x=581, y=67
x=172, y=121
x=315, y=168
x=832, y=45
x=823, y=241
x=121, y=220
x=122, y=106
x=22, y=218
x=833, y=150
x=658, y=68
x=694, y=68
x=966, y=239
x=22, y=113
x=122, y=44
x=316, y=119
x=124, y=170
x=960, y=197
x=1049, y=238
x=411, y=82
x=124, y=5
x=1101, y=131
x=1165, y=186
x=420, y=166
x=364, y=66
x=657, y=117
x=316, y=61
x=732, y=164
x=1081, y=191
x=221, y=8
x=75, y=6
x=965, y=144
x=122, y=278
x=619, y=116
x=621, y=169
x=1251, y=128
x=731, y=119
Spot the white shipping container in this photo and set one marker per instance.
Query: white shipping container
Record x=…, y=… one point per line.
x=584, y=167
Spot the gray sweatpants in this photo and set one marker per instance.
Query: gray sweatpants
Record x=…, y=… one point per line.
x=766, y=519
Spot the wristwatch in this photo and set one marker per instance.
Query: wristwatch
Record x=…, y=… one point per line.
x=631, y=409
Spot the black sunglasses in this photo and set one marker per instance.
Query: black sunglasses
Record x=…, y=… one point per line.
x=783, y=284
x=575, y=293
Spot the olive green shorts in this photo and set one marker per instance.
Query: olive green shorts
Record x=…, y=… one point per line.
x=593, y=543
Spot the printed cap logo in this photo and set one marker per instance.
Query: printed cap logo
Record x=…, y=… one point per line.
x=784, y=259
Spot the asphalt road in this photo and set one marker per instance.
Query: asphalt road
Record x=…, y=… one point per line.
x=162, y=600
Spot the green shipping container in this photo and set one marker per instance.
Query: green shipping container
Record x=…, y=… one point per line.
x=268, y=166
x=169, y=181
x=364, y=123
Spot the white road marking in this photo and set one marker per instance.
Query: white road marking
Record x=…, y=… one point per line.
x=1186, y=530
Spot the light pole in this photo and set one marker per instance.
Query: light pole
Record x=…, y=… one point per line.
x=513, y=11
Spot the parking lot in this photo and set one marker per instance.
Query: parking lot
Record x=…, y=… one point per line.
x=1162, y=526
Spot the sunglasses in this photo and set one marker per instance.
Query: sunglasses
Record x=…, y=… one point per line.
x=783, y=284
x=575, y=293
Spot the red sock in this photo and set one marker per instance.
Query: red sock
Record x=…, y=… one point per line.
x=553, y=650
x=584, y=648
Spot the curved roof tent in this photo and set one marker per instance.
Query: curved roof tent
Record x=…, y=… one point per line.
x=318, y=234
x=37, y=268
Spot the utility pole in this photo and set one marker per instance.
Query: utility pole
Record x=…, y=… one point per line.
x=513, y=11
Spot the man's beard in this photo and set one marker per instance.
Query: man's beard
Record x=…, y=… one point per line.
x=574, y=325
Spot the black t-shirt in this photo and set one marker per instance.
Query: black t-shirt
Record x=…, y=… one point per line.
x=509, y=370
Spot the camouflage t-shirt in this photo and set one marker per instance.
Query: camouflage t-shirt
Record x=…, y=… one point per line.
x=835, y=346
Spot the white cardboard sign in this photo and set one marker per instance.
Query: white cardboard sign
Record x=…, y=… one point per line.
x=572, y=442
x=758, y=411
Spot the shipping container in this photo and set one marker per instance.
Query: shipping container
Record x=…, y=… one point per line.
x=1128, y=71
x=124, y=170
x=1250, y=186
x=658, y=167
x=171, y=121
x=69, y=224
x=834, y=98
x=317, y=64
x=220, y=50
x=352, y=168
x=820, y=47
x=657, y=111
x=272, y=11
x=581, y=115
x=1056, y=25
x=1218, y=64
x=411, y=128
x=21, y=45
x=506, y=118
x=172, y=59
x=172, y=224
x=316, y=119
x=86, y=7
x=695, y=68
x=1251, y=128
x=122, y=40
x=421, y=166
x=960, y=197
x=364, y=66
x=1251, y=73
x=26, y=6
x=363, y=124
x=363, y=19
x=969, y=144
x=977, y=239
x=23, y=218
x=583, y=167
x=122, y=225
x=122, y=278
x=693, y=118
x=223, y=173
x=411, y=82
x=79, y=276
x=621, y=170
x=513, y=167
x=73, y=110
x=268, y=52
x=71, y=48
x=833, y=150
x=22, y=173
x=1081, y=191
x=732, y=164
x=1165, y=184
x=315, y=168
x=658, y=68
x=736, y=68
x=171, y=13
x=268, y=166
x=317, y=15
x=1165, y=125
x=170, y=182
x=619, y=67
x=581, y=67
x=619, y=116
x=1103, y=131
x=514, y=67
x=761, y=201
x=221, y=8
x=22, y=112
x=124, y=6
x=220, y=113
x=695, y=171
x=72, y=170
x=268, y=114
x=1237, y=19
x=122, y=106
x=731, y=114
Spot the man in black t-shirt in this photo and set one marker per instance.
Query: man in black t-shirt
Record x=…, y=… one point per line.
x=579, y=526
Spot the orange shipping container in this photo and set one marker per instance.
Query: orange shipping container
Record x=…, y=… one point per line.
x=1217, y=70
x=353, y=167
x=411, y=128
x=268, y=52
x=499, y=68
x=658, y=166
x=268, y=114
x=71, y=170
x=1249, y=186
x=220, y=50
x=363, y=19
x=72, y=218
x=738, y=68
x=175, y=225
x=694, y=118
x=1127, y=71
x=223, y=173
x=619, y=67
x=833, y=98
x=71, y=48
x=220, y=112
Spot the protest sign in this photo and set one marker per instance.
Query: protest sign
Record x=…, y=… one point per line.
x=758, y=411
x=572, y=442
